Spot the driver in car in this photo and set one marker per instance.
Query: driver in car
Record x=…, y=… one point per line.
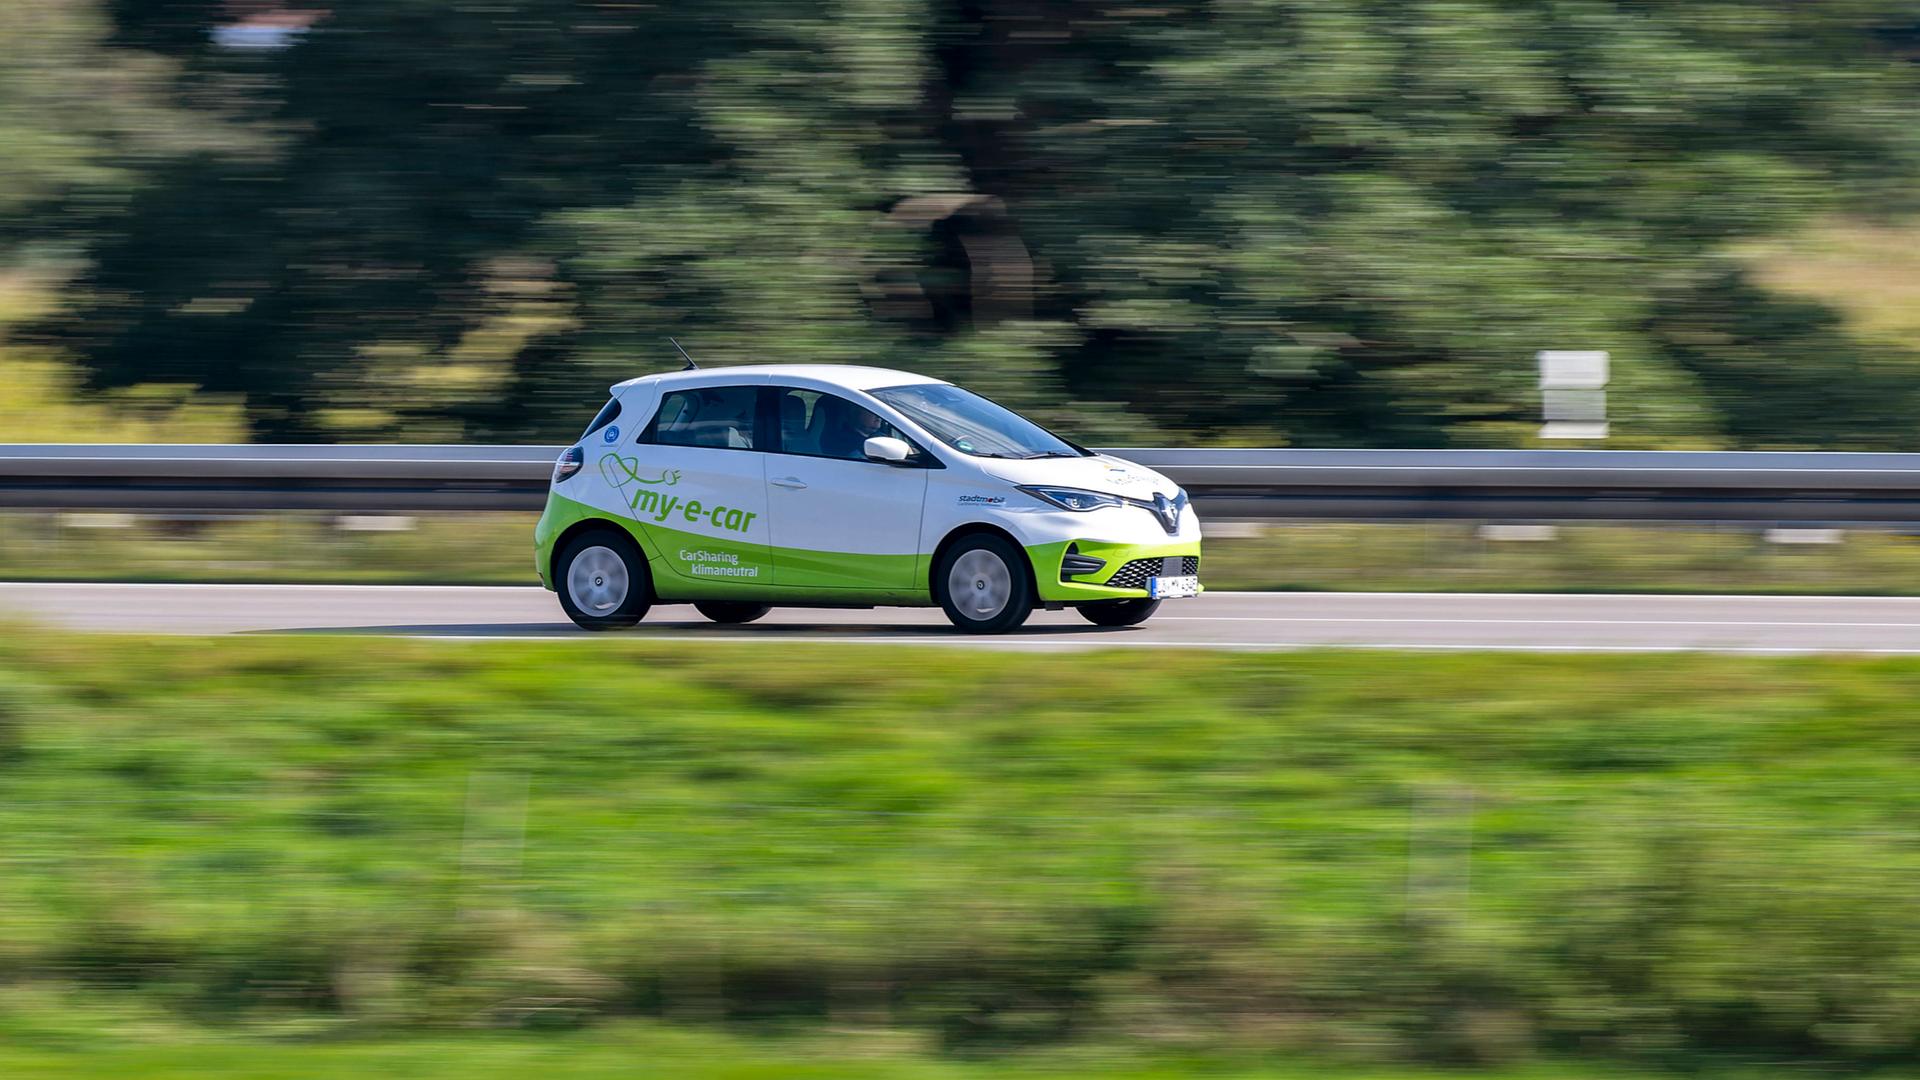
x=849, y=429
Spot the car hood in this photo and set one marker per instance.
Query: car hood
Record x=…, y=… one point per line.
x=1102, y=472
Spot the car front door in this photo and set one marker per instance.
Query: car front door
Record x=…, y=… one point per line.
x=695, y=482
x=839, y=520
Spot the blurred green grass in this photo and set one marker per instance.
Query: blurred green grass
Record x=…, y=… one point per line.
x=450, y=549
x=497, y=549
x=629, y=1050
x=1455, y=557
x=1452, y=858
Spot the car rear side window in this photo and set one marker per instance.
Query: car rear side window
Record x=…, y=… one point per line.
x=721, y=417
x=608, y=414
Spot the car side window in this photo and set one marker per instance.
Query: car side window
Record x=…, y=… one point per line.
x=822, y=425
x=608, y=414
x=720, y=417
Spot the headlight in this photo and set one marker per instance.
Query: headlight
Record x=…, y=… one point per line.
x=1073, y=498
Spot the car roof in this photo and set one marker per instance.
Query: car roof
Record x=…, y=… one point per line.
x=842, y=376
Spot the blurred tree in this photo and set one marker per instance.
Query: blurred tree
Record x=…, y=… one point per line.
x=82, y=124
x=1347, y=222
x=770, y=246
x=420, y=143
x=1290, y=220
x=79, y=119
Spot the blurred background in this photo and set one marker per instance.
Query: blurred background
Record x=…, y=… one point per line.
x=1282, y=223
x=1147, y=223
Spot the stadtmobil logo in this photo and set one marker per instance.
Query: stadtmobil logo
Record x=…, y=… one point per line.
x=648, y=500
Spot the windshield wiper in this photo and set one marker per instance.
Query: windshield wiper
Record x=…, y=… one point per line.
x=1046, y=454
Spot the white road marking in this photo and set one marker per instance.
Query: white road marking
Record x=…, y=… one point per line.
x=1403, y=620
x=1453, y=622
x=1014, y=641
x=1675, y=597
x=1210, y=594
x=305, y=587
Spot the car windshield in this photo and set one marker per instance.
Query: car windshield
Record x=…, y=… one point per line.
x=973, y=425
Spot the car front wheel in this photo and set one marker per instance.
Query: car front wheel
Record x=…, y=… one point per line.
x=984, y=584
x=602, y=580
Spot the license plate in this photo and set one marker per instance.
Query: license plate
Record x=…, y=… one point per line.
x=1167, y=588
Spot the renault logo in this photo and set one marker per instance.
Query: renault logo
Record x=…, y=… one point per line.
x=1168, y=510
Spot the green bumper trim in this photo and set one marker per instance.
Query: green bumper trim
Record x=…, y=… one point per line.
x=1046, y=568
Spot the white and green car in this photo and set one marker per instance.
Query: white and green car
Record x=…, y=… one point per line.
x=746, y=488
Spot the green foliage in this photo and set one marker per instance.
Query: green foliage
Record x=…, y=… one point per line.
x=1459, y=857
x=1363, y=220
x=1448, y=557
x=489, y=549
x=1319, y=221
x=79, y=120
x=75, y=1047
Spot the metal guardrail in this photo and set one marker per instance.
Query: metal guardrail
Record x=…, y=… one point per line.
x=1344, y=485
x=346, y=479
x=1757, y=488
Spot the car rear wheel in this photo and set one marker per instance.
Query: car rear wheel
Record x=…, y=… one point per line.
x=984, y=584
x=602, y=580
x=1119, y=612
x=731, y=611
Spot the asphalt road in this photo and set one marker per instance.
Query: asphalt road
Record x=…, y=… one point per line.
x=1549, y=623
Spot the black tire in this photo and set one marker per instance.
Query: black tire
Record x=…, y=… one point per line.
x=998, y=594
x=734, y=612
x=596, y=602
x=1119, y=612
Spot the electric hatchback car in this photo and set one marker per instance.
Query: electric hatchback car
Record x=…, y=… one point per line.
x=746, y=488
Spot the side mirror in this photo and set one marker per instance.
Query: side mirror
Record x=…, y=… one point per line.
x=887, y=450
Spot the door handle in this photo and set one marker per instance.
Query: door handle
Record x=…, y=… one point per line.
x=793, y=482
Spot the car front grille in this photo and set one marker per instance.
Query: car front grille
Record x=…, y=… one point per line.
x=1134, y=574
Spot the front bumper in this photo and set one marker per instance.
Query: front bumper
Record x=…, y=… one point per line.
x=1081, y=588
